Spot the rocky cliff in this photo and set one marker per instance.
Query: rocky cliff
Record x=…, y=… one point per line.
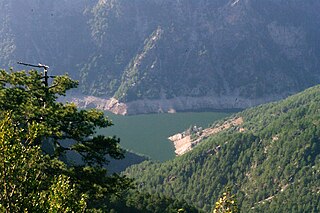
x=160, y=55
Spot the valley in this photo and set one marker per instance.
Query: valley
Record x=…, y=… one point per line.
x=148, y=134
x=177, y=106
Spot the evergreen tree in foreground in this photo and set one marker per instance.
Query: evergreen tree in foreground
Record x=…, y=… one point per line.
x=34, y=119
x=24, y=185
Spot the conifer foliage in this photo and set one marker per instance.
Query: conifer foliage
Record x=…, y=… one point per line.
x=271, y=161
x=36, y=133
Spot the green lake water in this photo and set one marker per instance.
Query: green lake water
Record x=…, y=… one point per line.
x=147, y=134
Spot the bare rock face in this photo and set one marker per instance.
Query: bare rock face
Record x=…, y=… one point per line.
x=165, y=105
x=191, y=55
x=116, y=107
x=111, y=104
x=166, y=56
x=187, y=140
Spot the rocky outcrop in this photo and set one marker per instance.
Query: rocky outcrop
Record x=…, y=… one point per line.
x=194, y=104
x=166, y=105
x=109, y=104
x=185, y=141
x=187, y=55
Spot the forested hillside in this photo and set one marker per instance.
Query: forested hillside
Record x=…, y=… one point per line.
x=271, y=161
x=38, y=135
x=162, y=55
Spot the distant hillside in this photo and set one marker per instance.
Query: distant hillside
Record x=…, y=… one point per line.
x=271, y=161
x=49, y=32
x=160, y=55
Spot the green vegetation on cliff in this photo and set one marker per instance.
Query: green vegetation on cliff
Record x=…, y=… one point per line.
x=271, y=161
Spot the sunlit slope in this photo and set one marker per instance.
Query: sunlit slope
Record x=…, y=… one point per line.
x=271, y=161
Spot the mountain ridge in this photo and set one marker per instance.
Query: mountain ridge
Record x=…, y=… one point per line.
x=144, y=52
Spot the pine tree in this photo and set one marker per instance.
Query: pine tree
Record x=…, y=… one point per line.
x=42, y=121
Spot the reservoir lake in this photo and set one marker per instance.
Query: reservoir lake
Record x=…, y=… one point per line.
x=148, y=134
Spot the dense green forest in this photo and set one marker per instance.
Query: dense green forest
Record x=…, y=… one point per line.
x=271, y=161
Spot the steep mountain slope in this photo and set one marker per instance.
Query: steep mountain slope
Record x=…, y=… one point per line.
x=160, y=55
x=50, y=32
x=271, y=161
x=203, y=54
